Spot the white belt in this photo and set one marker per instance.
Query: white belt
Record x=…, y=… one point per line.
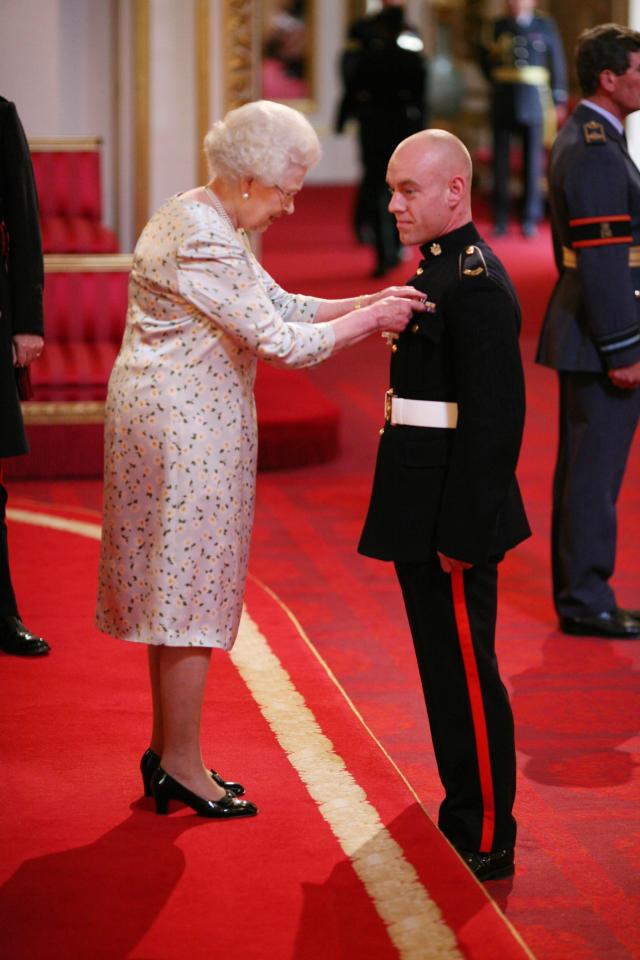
x=419, y=413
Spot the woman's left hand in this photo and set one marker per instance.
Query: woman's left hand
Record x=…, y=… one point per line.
x=404, y=291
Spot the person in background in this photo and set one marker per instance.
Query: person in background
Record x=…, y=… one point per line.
x=524, y=61
x=445, y=504
x=21, y=338
x=591, y=331
x=384, y=77
x=180, y=426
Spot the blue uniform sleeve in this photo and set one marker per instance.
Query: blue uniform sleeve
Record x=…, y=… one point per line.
x=597, y=200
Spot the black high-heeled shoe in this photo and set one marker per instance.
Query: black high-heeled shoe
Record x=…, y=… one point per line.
x=164, y=788
x=151, y=761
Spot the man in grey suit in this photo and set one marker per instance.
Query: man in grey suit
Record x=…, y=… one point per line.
x=591, y=332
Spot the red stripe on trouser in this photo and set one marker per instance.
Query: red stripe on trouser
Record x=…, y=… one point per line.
x=477, y=711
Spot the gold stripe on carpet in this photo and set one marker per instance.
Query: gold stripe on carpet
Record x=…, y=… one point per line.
x=413, y=921
x=62, y=412
x=91, y=530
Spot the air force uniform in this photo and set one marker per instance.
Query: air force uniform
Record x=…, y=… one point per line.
x=592, y=325
x=445, y=481
x=525, y=64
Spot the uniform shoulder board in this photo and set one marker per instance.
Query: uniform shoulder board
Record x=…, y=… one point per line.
x=593, y=132
x=472, y=263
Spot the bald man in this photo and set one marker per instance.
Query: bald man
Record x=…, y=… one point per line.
x=445, y=505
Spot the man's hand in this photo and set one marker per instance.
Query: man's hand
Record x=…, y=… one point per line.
x=27, y=346
x=627, y=378
x=449, y=565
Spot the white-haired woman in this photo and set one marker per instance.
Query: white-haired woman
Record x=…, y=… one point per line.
x=180, y=429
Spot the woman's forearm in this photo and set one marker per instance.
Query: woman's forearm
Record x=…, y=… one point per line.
x=331, y=309
x=389, y=314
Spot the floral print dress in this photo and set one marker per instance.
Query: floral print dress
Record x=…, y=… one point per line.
x=180, y=427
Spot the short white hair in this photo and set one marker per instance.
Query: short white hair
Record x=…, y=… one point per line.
x=261, y=140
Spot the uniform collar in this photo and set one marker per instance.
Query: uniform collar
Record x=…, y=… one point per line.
x=619, y=126
x=450, y=243
x=587, y=111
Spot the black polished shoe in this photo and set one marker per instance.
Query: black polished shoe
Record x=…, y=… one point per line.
x=614, y=625
x=151, y=761
x=16, y=639
x=490, y=866
x=164, y=788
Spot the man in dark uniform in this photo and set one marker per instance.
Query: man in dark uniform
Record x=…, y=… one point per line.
x=525, y=64
x=591, y=332
x=384, y=76
x=21, y=329
x=445, y=504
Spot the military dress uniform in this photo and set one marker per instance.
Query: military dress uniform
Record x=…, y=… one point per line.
x=384, y=77
x=449, y=485
x=592, y=324
x=527, y=70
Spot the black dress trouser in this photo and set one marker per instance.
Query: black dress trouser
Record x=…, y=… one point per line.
x=8, y=607
x=596, y=428
x=452, y=619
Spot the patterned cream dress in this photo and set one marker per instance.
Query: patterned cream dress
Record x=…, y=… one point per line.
x=180, y=427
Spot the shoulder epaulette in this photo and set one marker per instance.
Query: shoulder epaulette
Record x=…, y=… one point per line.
x=593, y=132
x=472, y=263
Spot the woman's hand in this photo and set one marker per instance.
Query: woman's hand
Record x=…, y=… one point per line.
x=392, y=313
x=394, y=292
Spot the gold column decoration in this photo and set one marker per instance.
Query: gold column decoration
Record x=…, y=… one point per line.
x=239, y=49
x=354, y=9
x=202, y=84
x=141, y=48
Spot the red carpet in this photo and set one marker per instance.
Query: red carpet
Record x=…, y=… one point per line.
x=339, y=865
x=575, y=894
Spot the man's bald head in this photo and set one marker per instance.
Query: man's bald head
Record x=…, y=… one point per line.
x=430, y=176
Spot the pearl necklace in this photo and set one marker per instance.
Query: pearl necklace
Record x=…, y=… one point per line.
x=240, y=231
x=220, y=207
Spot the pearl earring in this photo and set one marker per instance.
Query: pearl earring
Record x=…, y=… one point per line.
x=245, y=196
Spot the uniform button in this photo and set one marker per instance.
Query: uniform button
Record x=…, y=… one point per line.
x=394, y=347
x=419, y=272
x=381, y=431
x=415, y=328
x=636, y=294
x=521, y=63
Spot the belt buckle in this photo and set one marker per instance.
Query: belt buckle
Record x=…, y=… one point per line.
x=387, y=405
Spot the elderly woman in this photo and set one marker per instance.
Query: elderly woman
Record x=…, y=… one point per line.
x=180, y=430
